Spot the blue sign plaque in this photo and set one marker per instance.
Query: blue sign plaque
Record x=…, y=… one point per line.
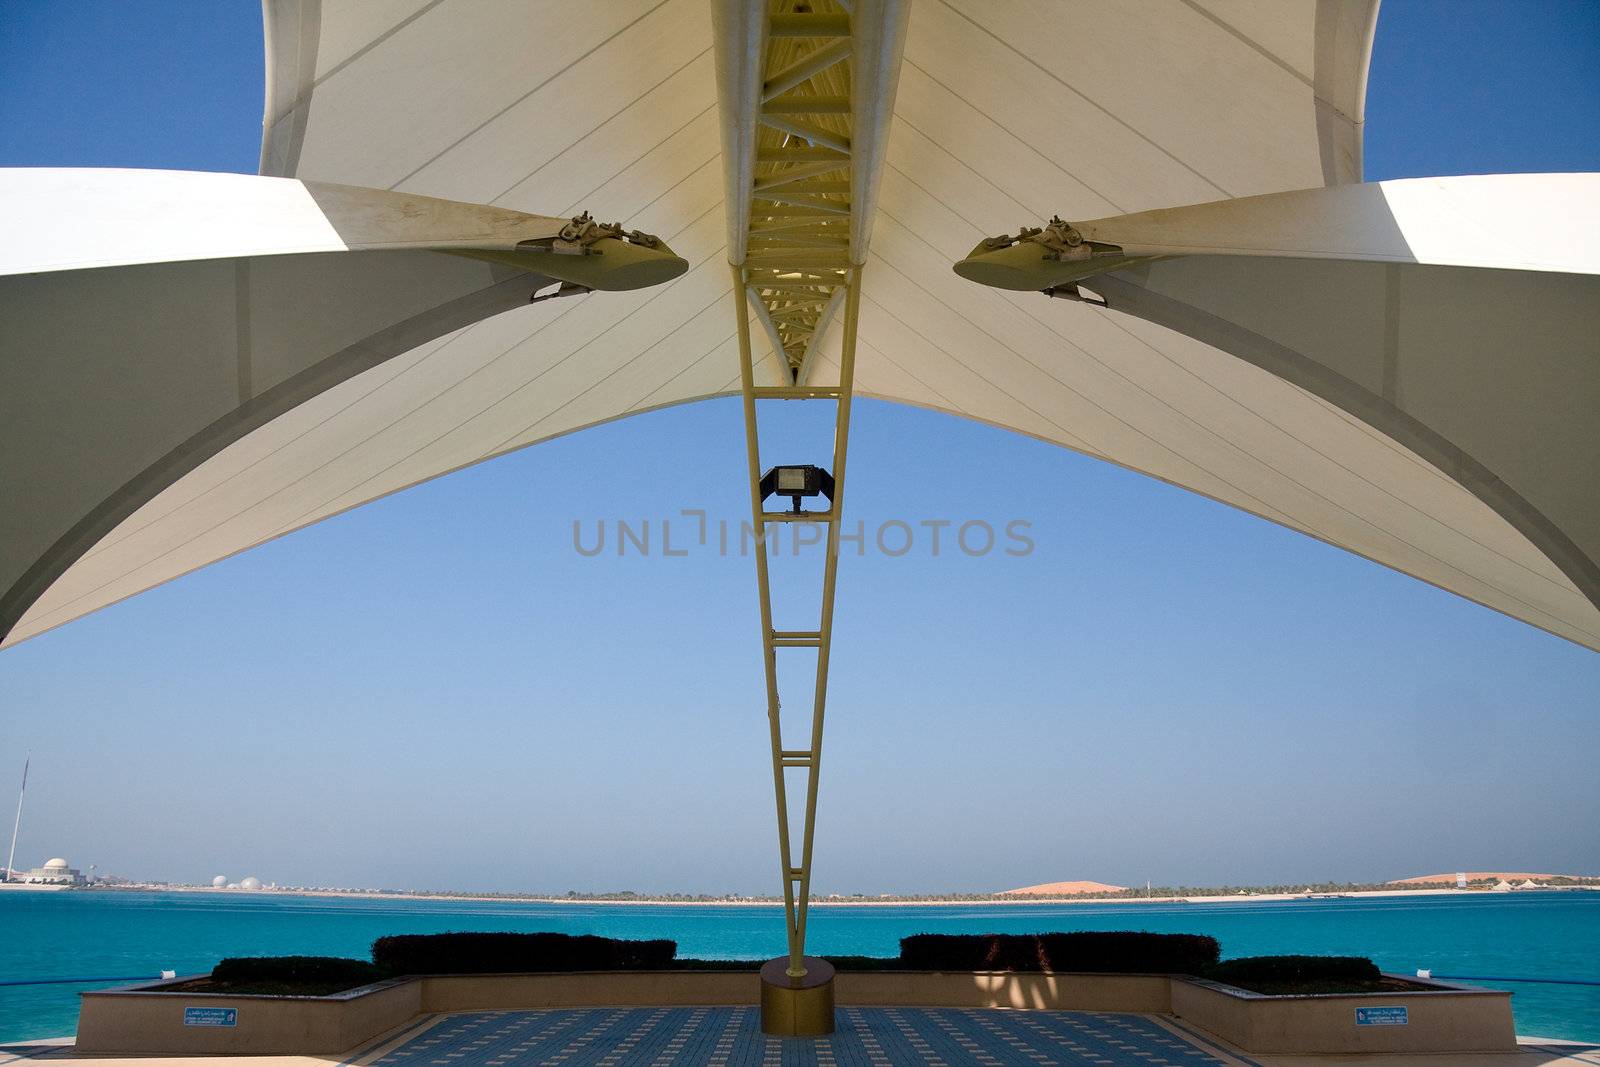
x=1381, y=1017
x=211, y=1016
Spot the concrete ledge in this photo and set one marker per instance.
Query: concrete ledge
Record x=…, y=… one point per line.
x=1442, y=1018
x=149, y=1019
x=1081, y=992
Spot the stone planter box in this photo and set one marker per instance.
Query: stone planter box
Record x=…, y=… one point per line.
x=149, y=1019
x=155, y=1019
x=1440, y=1018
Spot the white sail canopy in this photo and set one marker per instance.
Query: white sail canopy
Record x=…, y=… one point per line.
x=153, y=318
x=1460, y=316
x=1004, y=113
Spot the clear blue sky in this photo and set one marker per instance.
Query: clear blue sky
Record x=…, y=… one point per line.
x=436, y=691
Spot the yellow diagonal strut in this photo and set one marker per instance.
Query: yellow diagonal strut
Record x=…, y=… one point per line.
x=797, y=878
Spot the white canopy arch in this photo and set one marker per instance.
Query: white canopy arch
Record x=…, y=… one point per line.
x=1003, y=113
x=151, y=319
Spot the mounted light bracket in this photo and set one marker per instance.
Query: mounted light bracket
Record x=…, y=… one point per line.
x=797, y=483
x=1074, y=291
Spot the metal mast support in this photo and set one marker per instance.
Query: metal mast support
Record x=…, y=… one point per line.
x=807, y=92
x=17, y=826
x=797, y=877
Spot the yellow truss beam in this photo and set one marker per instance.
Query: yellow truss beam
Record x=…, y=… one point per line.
x=797, y=877
x=798, y=115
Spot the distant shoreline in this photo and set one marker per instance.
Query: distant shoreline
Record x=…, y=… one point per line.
x=823, y=902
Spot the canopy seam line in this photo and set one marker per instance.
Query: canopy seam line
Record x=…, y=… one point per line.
x=1244, y=38
x=1008, y=131
x=363, y=51
x=1087, y=99
x=597, y=383
x=599, y=126
x=459, y=141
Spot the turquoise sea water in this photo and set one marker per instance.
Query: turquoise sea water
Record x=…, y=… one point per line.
x=72, y=934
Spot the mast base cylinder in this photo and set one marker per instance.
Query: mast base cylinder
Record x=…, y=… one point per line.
x=797, y=1007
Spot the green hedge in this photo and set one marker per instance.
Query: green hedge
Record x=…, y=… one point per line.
x=1295, y=970
x=864, y=963
x=331, y=971
x=1087, y=951
x=840, y=963
x=471, y=953
x=1094, y=951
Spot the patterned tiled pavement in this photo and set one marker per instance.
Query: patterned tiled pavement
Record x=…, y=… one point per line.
x=730, y=1037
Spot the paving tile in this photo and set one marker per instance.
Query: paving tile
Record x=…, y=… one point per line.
x=731, y=1037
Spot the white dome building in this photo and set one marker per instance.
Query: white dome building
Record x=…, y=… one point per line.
x=55, y=872
x=219, y=881
x=251, y=882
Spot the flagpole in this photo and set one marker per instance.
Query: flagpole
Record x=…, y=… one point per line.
x=12, y=858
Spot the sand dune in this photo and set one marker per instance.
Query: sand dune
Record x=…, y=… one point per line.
x=1475, y=876
x=1067, y=889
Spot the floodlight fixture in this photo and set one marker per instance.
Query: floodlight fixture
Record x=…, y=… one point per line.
x=797, y=483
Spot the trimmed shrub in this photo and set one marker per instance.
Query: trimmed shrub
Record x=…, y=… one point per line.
x=473, y=953
x=864, y=963
x=1132, y=952
x=840, y=963
x=312, y=971
x=1248, y=971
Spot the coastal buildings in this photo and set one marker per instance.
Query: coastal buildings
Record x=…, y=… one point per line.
x=52, y=872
